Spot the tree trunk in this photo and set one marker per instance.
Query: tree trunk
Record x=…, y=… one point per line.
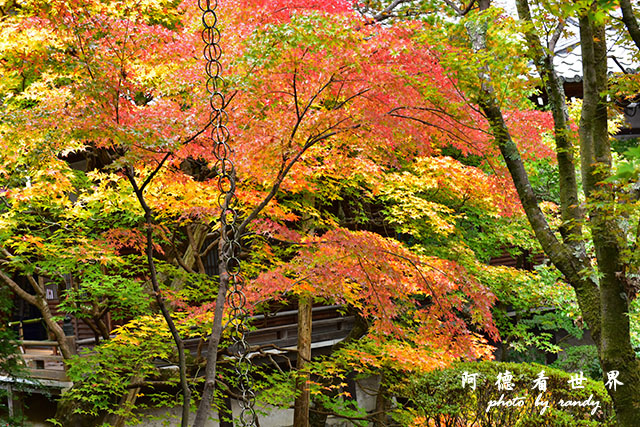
x=604, y=304
x=40, y=301
x=630, y=21
x=561, y=256
x=73, y=413
x=616, y=352
x=570, y=209
x=204, y=408
x=301, y=406
x=197, y=235
x=55, y=328
x=153, y=278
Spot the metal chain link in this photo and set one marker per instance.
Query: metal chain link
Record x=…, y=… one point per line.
x=227, y=200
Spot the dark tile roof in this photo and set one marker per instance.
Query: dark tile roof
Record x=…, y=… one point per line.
x=568, y=54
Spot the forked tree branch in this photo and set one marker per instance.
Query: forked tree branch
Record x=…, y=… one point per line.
x=148, y=215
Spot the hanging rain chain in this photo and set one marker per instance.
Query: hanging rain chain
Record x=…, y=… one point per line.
x=227, y=200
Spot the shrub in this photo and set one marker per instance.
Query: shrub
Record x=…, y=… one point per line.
x=439, y=399
x=580, y=358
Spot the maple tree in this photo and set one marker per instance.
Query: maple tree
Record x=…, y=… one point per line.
x=391, y=116
x=322, y=107
x=415, y=117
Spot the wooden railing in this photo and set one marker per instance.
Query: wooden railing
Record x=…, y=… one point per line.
x=20, y=324
x=44, y=360
x=281, y=330
x=45, y=367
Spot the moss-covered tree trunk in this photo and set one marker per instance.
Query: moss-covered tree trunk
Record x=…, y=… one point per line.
x=604, y=303
x=616, y=352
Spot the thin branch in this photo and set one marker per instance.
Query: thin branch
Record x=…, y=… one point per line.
x=424, y=122
x=355, y=95
x=455, y=7
x=295, y=93
x=209, y=248
x=155, y=171
x=424, y=279
x=373, y=287
x=307, y=107
x=179, y=259
x=555, y=37
x=186, y=141
x=618, y=64
x=468, y=7
x=387, y=12
x=440, y=113
x=281, y=176
x=38, y=270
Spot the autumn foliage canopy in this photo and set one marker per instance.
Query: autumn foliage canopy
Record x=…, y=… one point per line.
x=352, y=144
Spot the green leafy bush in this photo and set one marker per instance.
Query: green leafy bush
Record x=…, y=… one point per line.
x=439, y=399
x=103, y=375
x=580, y=358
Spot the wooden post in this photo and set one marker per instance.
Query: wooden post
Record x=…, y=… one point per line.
x=71, y=342
x=10, y=399
x=303, y=396
x=382, y=404
x=301, y=407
